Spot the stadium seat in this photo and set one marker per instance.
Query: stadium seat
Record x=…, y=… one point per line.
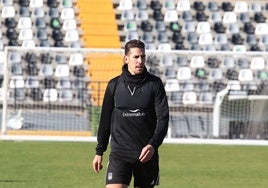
x=125, y=5
x=66, y=3
x=166, y=60
x=28, y=43
x=71, y=36
x=259, y=17
x=67, y=13
x=249, y=28
x=221, y=39
x=189, y=98
x=10, y=23
x=192, y=37
x=215, y=74
x=257, y=63
x=54, y=12
x=177, y=38
x=150, y=46
x=127, y=15
x=130, y=26
x=232, y=28
x=187, y=16
x=160, y=26
x=240, y=6
x=65, y=95
x=244, y=17
x=175, y=98
x=32, y=82
x=197, y=61
x=169, y=5
x=200, y=16
x=233, y=85
x=251, y=39
x=36, y=94
x=42, y=34
x=76, y=59
x=171, y=16
x=19, y=94
x=69, y=24
x=206, y=98
x=63, y=83
x=46, y=70
x=26, y=34
x=38, y=12
x=158, y=15
x=213, y=6
x=24, y=23
x=147, y=37
x=8, y=11
x=36, y=3
x=146, y=26
x=203, y=27
x=182, y=61
x=131, y=35
x=170, y=73
x=205, y=39
x=172, y=85
x=142, y=15
x=200, y=73
x=215, y=17
x=82, y=95
x=162, y=37
x=183, y=5
x=255, y=7
x=261, y=29
x=184, y=73
x=243, y=62
x=245, y=75
x=6, y=2
x=229, y=17
x=141, y=5
x=187, y=86
x=50, y=95
x=16, y=82
x=52, y=3
x=79, y=71
x=155, y=5
x=16, y=69
x=227, y=6
x=61, y=59
x=188, y=27
x=164, y=47
x=62, y=70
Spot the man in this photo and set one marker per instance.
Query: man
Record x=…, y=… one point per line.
x=135, y=113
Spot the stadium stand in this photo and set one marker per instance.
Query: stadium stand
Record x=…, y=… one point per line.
x=164, y=25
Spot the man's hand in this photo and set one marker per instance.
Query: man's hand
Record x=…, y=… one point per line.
x=97, y=163
x=146, y=153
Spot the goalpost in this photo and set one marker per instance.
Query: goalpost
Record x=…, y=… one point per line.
x=56, y=94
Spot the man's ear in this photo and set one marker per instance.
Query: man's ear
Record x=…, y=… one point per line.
x=125, y=59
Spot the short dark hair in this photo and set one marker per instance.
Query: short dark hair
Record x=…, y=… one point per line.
x=135, y=43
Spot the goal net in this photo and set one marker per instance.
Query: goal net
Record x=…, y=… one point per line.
x=243, y=117
x=57, y=93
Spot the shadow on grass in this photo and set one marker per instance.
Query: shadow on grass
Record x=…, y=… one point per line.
x=12, y=181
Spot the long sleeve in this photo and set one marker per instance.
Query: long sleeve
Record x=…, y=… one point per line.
x=105, y=119
x=162, y=114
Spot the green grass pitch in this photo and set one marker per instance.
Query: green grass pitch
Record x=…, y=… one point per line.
x=69, y=165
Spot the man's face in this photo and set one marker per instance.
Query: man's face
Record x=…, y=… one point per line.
x=135, y=60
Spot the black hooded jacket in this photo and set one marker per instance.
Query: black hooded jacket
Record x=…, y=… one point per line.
x=135, y=113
